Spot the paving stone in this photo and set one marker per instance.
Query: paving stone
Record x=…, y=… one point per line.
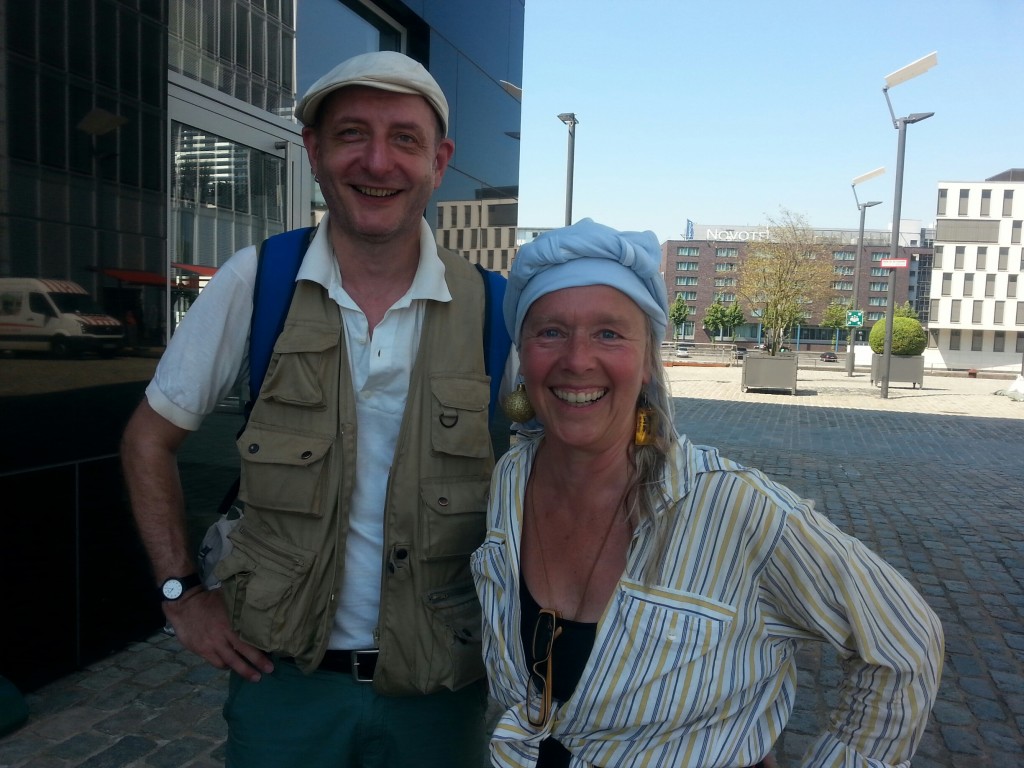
x=124, y=752
x=961, y=741
x=79, y=747
x=178, y=752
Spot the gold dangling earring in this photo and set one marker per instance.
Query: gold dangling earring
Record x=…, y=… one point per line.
x=646, y=418
x=517, y=406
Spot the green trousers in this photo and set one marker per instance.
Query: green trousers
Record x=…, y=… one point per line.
x=328, y=720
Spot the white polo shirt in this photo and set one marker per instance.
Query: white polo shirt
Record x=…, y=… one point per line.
x=208, y=357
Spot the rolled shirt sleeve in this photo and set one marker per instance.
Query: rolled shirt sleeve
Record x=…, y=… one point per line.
x=889, y=640
x=207, y=356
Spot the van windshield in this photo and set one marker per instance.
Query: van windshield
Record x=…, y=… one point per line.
x=76, y=303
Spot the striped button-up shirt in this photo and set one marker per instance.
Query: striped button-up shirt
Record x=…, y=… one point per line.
x=694, y=662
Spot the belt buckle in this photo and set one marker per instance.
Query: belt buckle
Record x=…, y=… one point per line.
x=358, y=659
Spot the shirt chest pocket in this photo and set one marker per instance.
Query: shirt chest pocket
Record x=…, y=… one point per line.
x=657, y=659
x=673, y=632
x=458, y=423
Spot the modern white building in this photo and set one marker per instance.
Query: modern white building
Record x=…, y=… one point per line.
x=976, y=313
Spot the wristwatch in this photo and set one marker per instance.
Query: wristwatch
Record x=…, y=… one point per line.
x=174, y=588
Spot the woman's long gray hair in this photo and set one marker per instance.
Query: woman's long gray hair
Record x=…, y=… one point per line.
x=644, y=495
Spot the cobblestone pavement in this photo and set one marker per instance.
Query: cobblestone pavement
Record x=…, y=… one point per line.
x=930, y=478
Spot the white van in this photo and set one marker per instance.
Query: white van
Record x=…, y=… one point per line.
x=55, y=315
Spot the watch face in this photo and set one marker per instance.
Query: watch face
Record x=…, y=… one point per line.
x=172, y=589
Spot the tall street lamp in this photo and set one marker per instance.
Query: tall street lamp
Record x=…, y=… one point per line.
x=862, y=207
x=569, y=118
x=908, y=72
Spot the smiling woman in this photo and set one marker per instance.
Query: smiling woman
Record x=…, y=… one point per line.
x=622, y=562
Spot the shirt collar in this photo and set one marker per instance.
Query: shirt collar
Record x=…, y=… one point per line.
x=320, y=266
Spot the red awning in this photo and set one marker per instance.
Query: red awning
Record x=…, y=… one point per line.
x=136, y=277
x=197, y=269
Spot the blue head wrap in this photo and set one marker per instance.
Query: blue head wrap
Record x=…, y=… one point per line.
x=587, y=253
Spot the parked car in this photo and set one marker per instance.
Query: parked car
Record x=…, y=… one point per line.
x=738, y=353
x=828, y=357
x=673, y=349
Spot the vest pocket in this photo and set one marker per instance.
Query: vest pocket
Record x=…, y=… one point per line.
x=458, y=424
x=454, y=522
x=267, y=591
x=294, y=375
x=455, y=622
x=283, y=471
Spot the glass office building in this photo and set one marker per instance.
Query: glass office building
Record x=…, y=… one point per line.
x=142, y=142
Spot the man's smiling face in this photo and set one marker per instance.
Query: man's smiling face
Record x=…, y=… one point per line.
x=379, y=158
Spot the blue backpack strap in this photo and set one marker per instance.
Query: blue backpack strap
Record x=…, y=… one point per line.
x=496, y=339
x=279, y=260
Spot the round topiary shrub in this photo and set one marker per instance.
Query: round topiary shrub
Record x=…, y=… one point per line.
x=908, y=337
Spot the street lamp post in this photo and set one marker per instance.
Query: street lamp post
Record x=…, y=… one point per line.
x=569, y=118
x=862, y=207
x=912, y=70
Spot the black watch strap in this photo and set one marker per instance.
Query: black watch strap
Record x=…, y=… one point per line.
x=172, y=589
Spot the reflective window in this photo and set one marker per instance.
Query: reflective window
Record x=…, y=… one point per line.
x=224, y=196
x=240, y=48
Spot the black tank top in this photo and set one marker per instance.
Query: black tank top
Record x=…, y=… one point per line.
x=569, y=656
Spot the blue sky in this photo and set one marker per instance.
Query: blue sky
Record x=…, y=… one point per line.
x=725, y=111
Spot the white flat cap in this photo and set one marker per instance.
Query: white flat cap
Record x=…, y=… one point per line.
x=385, y=70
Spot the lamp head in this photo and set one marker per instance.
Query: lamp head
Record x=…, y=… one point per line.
x=912, y=70
x=869, y=175
x=569, y=118
x=917, y=117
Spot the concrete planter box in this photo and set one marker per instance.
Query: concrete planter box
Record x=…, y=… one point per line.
x=762, y=371
x=901, y=368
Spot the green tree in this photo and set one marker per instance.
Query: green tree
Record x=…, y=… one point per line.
x=714, y=318
x=779, y=279
x=834, y=317
x=733, y=318
x=905, y=310
x=908, y=337
x=679, y=313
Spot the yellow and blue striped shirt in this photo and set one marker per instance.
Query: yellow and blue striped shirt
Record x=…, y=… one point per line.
x=695, y=664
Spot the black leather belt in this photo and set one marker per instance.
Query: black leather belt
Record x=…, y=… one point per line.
x=359, y=664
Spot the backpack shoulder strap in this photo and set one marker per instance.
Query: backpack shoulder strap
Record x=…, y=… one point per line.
x=496, y=339
x=279, y=260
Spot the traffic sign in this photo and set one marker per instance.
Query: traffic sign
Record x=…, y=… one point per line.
x=854, y=318
x=894, y=263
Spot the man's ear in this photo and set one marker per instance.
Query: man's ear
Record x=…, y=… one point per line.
x=442, y=156
x=312, y=143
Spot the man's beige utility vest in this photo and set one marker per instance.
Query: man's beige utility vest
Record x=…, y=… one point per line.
x=298, y=449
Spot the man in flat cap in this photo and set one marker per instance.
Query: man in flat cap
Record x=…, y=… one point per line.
x=347, y=614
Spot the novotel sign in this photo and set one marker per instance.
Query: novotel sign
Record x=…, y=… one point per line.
x=740, y=235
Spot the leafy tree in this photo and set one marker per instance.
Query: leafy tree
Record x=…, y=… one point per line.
x=908, y=337
x=834, y=317
x=714, y=317
x=679, y=313
x=733, y=318
x=905, y=310
x=781, y=278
